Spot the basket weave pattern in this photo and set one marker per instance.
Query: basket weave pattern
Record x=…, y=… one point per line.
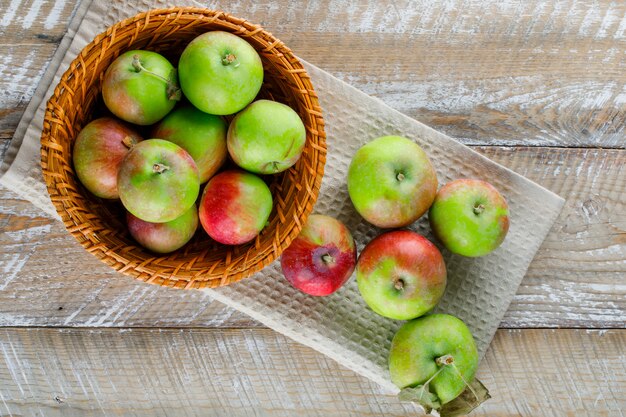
x=99, y=225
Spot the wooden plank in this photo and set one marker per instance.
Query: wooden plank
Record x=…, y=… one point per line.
x=138, y=372
x=495, y=73
x=30, y=32
x=576, y=279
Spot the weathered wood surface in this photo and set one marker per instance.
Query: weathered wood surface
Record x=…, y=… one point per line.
x=530, y=73
x=138, y=372
x=577, y=279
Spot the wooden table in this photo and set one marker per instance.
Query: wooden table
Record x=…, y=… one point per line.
x=539, y=86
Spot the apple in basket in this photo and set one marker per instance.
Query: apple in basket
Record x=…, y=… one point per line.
x=266, y=137
x=202, y=135
x=433, y=359
x=391, y=182
x=98, y=152
x=164, y=237
x=401, y=275
x=470, y=217
x=220, y=73
x=322, y=258
x=158, y=181
x=235, y=207
x=140, y=87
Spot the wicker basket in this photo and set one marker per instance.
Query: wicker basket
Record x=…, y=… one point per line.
x=99, y=225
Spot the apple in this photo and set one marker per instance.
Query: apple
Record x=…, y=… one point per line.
x=98, y=152
x=235, y=207
x=202, y=135
x=266, y=137
x=391, y=182
x=322, y=258
x=220, y=73
x=158, y=181
x=435, y=353
x=470, y=217
x=140, y=87
x=164, y=237
x=401, y=275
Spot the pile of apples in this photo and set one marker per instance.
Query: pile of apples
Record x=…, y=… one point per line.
x=401, y=274
x=158, y=180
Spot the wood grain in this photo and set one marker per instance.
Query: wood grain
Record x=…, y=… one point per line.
x=136, y=372
x=506, y=72
x=577, y=278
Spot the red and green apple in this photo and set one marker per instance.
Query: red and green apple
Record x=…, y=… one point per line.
x=470, y=217
x=140, y=87
x=164, y=237
x=401, y=275
x=235, y=207
x=322, y=258
x=158, y=181
x=98, y=152
x=391, y=182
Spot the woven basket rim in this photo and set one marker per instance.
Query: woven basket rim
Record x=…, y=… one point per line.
x=61, y=193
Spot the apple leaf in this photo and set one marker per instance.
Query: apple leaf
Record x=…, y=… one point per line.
x=421, y=394
x=473, y=396
x=173, y=90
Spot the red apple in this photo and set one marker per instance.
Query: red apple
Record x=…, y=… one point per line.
x=235, y=206
x=98, y=152
x=322, y=258
x=164, y=237
x=401, y=275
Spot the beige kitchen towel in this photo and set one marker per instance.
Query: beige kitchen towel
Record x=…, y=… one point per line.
x=340, y=326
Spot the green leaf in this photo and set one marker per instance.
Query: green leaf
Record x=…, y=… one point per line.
x=421, y=394
x=473, y=396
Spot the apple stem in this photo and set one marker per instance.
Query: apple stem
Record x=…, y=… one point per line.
x=173, y=91
x=328, y=259
x=479, y=209
x=400, y=176
x=159, y=168
x=129, y=142
x=398, y=284
x=445, y=360
x=229, y=59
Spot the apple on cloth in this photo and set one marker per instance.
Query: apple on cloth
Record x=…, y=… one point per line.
x=470, y=217
x=322, y=258
x=391, y=182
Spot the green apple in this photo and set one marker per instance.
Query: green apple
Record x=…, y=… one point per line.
x=401, y=275
x=470, y=217
x=140, y=87
x=267, y=137
x=202, y=135
x=391, y=182
x=220, y=73
x=435, y=353
x=158, y=181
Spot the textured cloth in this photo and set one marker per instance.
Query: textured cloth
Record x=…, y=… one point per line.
x=340, y=326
